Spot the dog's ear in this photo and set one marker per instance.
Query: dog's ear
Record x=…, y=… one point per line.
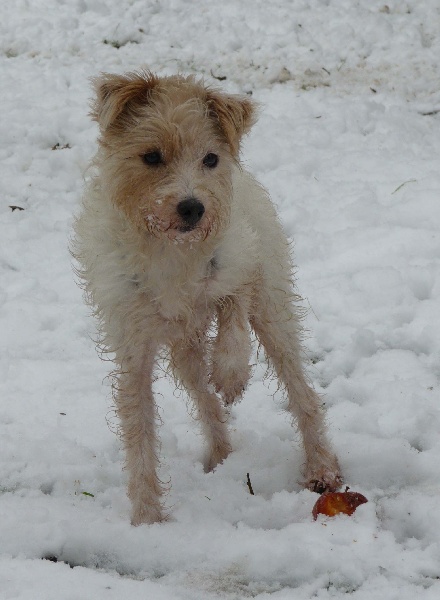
x=118, y=94
x=234, y=114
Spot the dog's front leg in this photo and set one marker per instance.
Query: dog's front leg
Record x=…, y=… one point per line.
x=276, y=325
x=232, y=348
x=190, y=362
x=137, y=413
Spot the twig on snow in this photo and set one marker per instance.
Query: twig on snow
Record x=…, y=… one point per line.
x=402, y=184
x=249, y=484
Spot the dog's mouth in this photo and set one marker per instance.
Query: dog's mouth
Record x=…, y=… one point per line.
x=177, y=230
x=186, y=228
x=174, y=231
x=186, y=233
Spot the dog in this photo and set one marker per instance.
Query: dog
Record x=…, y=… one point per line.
x=180, y=248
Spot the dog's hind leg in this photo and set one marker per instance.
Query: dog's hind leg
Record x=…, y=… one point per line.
x=190, y=364
x=137, y=413
x=276, y=325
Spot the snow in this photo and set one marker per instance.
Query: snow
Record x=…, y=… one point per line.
x=348, y=145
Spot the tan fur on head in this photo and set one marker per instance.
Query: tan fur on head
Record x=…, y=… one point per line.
x=116, y=93
x=235, y=114
x=119, y=95
x=183, y=121
x=180, y=248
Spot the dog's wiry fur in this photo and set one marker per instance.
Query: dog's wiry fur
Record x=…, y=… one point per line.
x=175, y=241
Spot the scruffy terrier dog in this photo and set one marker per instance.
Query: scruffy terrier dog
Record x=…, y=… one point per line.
x=180, y=248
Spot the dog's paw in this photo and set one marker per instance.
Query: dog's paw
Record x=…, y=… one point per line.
x=229, y=396
x=324, y=481
x=232, y=386
x=148, y=514
x=215, y=457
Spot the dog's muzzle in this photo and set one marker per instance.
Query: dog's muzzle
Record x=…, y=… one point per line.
x=190, y=211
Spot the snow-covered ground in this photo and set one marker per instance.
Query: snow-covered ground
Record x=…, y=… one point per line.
x=348, y=144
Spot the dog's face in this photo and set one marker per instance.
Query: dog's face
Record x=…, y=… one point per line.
x=167, y=149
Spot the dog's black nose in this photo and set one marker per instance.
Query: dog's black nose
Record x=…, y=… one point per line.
x=191, y=210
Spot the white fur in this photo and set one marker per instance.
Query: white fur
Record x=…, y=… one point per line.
x=154, y=284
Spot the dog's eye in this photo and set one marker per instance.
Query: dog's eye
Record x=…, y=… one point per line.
x=152, y=158
x=210, y=160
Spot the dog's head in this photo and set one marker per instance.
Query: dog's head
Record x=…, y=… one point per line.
x=167, y=149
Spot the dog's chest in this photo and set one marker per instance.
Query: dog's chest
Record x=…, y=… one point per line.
x=177, y=293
